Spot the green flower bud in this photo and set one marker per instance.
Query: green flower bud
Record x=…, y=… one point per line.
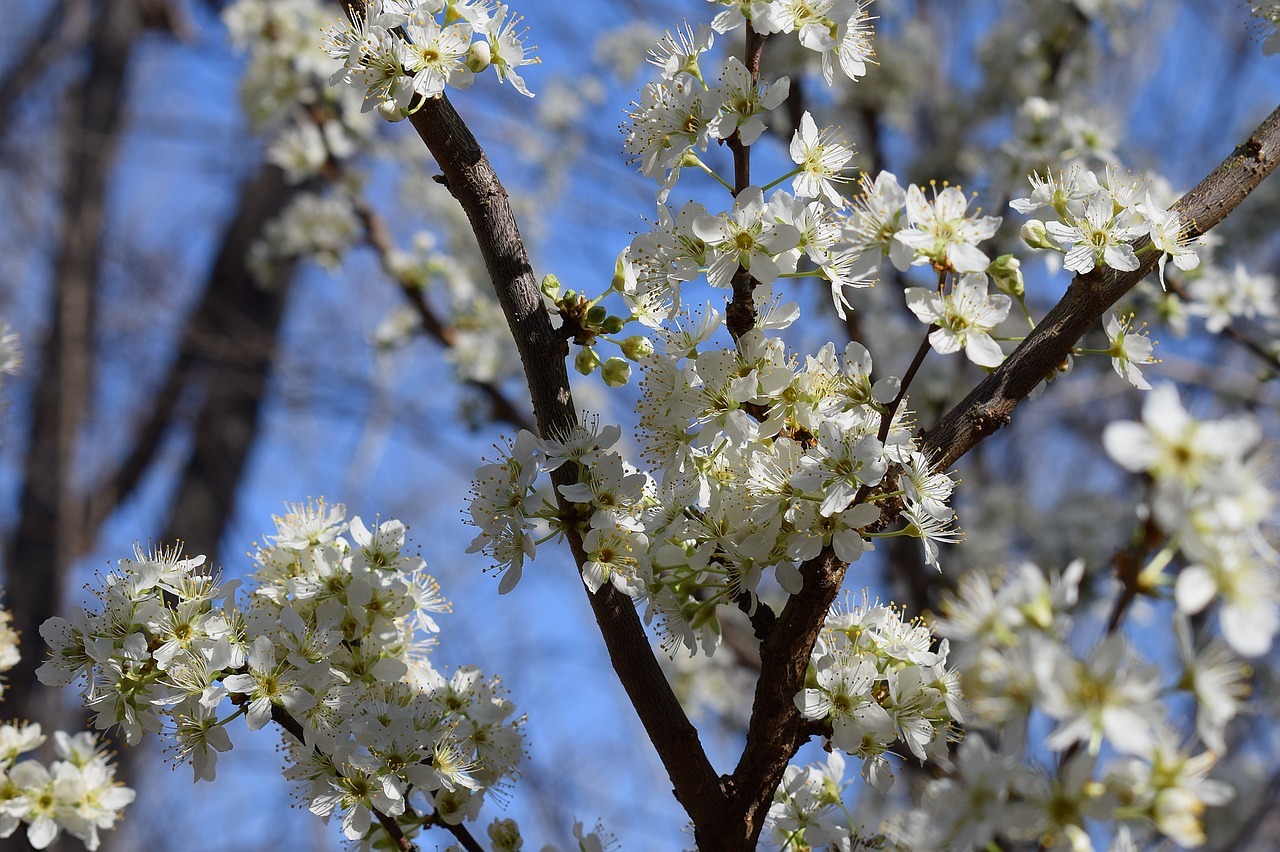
x=637, y=346
x=1007, y=273
x=586, y=361
x=612, y=325
x=597, y=314
x=616, y=372
x=550, y=286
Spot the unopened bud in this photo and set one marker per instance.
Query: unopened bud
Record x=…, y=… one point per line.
x=479, y=56
x=596, y=314
x=637, y=346
x=612, y=325
x=390, y=110
x=616, y=372
x=586, y=361
x=1036, y=235
x=550, y=286
x=1007, y=272
x=624, y=275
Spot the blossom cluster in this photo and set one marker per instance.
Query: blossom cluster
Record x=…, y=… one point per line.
x=837, y=30
x=76, y=793
x=321, y=140
x=808, y=807
x=771, y=238
x=320, y=227
x=1210, y=496
x=394, y=51
x=745, y=440
x=1011, y=643
x=878, y=681
x=333, y=645
x=1096, y=220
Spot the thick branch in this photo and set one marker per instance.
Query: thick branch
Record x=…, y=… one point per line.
x=232, y=330
x=776, y=729
x=474, y=184
x=990, y=405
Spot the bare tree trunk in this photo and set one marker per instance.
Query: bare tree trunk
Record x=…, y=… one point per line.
x=49, y=530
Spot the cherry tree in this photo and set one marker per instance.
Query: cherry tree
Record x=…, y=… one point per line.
x=1004, y=703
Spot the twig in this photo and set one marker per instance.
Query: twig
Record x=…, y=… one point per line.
x=379, y=237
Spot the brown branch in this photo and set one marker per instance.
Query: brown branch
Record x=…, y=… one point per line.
x=379, y=236
x=232, y=330
x=776, y=729
x=990, y=405
x=475, y=185
x=740, y=313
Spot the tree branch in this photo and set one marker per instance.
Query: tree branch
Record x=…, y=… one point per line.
x=379, y=236
x=1231, y=332
x=990, y=405
x=472, y=181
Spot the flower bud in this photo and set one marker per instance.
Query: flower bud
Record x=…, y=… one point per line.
x=612, y=325
x=586, y=361
x=624, y=274
x=390, y=110
x=616, y=372
x=1036, y=235
x=1007, y=273
x=637, y=346
x=596, y=315
x=550, y=286
x=479, y=56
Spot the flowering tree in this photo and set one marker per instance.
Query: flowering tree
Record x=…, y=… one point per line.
x=1022, y=712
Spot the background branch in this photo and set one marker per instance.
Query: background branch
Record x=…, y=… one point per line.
x=990, y=405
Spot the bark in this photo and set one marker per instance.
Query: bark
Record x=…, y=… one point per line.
x=49, y=530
